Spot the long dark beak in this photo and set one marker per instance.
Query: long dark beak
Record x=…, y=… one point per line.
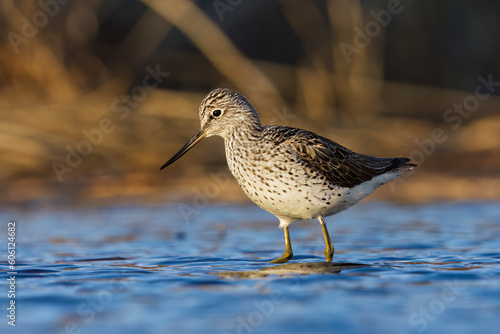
x=191, y=142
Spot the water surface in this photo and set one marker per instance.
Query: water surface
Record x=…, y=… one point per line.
x=171, y=269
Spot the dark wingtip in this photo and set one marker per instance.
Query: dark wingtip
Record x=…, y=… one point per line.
x=403, y=163
x=398, y=162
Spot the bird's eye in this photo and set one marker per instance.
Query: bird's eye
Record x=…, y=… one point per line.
x=216, y=113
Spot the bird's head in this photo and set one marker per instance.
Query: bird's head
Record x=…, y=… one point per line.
x=222, y=112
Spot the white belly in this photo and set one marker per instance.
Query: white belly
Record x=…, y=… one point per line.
x=283, y=187
x=298, y=196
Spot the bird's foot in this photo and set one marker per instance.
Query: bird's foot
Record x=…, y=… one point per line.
x=329, y=254
x=287, y=256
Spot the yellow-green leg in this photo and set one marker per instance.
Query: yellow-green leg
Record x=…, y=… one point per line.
x=288, y=254
x=329, y=250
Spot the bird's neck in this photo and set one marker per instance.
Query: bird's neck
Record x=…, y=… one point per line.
x=246, y=131
x=241, y=145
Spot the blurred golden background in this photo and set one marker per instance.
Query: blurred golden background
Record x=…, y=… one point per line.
x=96, y=95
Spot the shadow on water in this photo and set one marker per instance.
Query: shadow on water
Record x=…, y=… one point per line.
x=293, y=269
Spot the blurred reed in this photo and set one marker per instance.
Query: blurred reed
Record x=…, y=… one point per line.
x=64, y=79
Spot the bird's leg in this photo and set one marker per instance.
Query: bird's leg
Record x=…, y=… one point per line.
x=288, y=254
x=329, y=249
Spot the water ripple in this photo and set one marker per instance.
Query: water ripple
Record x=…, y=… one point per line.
x=396, y=269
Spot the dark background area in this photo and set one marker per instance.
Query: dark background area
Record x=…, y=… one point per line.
x=62, y=68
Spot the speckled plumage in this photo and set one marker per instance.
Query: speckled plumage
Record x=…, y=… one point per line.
x=292, y=173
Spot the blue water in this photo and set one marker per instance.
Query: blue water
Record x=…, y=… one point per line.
x=429, y=269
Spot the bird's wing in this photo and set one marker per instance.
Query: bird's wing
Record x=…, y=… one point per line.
x=338, y=164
